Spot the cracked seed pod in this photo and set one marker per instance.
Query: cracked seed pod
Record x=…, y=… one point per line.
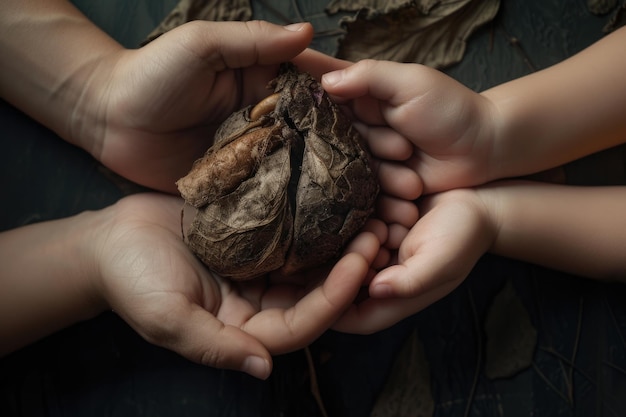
x=285, y=186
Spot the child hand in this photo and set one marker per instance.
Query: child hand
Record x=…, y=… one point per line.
x=149, y=277
x=420, y=117
x=437, y=254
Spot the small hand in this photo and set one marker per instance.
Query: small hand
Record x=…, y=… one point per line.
x=414, y=114
x=148, y=276
x=434, y=257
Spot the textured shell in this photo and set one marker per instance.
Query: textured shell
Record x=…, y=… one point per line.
x=282, y=193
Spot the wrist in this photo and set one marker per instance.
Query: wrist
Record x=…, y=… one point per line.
x=472, y=213
x=489, y=201
x=81, y=249
x=491, y=133
x=51, y=53
x=87, y=119
x=48, y=280
x=568, y=228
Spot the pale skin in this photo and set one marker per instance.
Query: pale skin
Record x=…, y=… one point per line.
x=429, y=133
x=130, y=258
x=421, y=121
x=70, y=76
x=147, y=114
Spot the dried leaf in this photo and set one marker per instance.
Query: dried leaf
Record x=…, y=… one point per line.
x=407, y=391
x=285, y=186
x=600, y=7
x=213, y=10
x=374, y=8
x=617, y=20
x=426, y=32
x=511, y=337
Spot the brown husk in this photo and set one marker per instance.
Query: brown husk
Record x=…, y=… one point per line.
x=301, y=189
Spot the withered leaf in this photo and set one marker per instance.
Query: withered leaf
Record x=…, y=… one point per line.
x=285, y=186
x=213, y=10
x=617, y=20
x=374, y=8
x=407, y=391
x=601, y=6
x=511, y=337
x=428, y=32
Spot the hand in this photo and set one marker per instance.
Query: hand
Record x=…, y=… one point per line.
x=434, y=257
x=148, y=276
x=419, y=116
x=156, y=108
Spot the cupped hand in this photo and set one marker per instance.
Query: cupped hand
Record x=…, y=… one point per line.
x=437, y=254
x=420, y=117
x=148, y=276
x=157, y=107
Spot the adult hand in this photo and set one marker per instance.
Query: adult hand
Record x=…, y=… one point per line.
x=154, y=110
x=149, y=277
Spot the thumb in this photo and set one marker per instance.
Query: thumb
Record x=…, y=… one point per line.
x=373, y=91
x=369, y=78
x=242, y=44
x=405, y=96
x=439, y=251
x=193, y=332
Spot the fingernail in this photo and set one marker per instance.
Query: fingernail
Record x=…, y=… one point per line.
x=381, y=291
x=332, y=78
x=256, y=366
x=295, y=27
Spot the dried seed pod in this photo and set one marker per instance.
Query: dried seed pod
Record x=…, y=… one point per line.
x=285, y=186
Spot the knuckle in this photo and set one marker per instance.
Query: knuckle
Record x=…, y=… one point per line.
x=213, y=357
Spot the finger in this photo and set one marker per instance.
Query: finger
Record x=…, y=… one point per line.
x=376, y=227
x=242, y=44
x=385, y=143
x=397, y=211
x=381, y=259
x=283, y=331
x=372, y=78
x=373, y=315
x=399, y=181
x=405, y=96
x=317, y=63
x=429, y=262
x=442, y=247
x=283, y=292
x=414, y=279
x=365, y=109
x=367, y=243
x=194, y=333
x=397, y=234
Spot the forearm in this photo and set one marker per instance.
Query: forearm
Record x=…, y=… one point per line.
x=45, y=280
x=581, y=230
x=563, y=112
x=49, y=52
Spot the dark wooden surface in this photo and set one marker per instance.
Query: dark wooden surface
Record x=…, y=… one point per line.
x=102, y=368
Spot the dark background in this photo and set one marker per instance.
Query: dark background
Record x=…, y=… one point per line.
x=102, y=368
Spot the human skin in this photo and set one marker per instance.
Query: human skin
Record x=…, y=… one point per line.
x=454, y=138
x=145, y=113
x=130, y=258
x=148, y=114
x=458, y=138
x=579, y=230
